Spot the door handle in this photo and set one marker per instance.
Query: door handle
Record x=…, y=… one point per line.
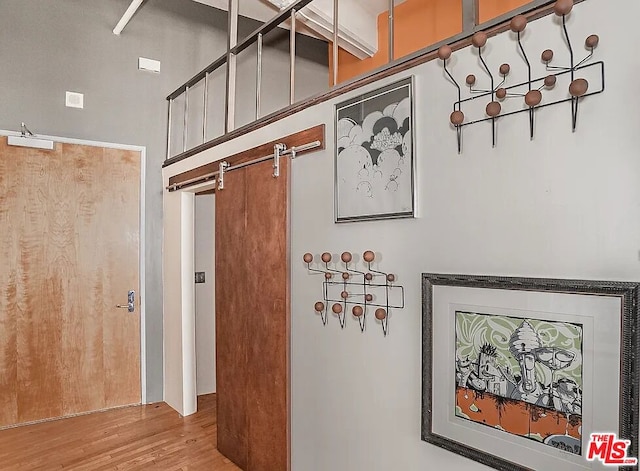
x=131, y=302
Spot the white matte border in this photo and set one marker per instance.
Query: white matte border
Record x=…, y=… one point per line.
x=601, y=317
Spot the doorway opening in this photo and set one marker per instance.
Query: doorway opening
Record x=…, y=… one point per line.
x=204, y=264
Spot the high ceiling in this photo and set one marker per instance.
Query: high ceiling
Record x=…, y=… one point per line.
x=263, y=9
x=357, y=18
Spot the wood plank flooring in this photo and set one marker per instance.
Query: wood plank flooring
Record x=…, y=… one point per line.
x=147, y=437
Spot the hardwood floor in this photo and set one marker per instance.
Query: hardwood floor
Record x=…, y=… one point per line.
x=133, y=438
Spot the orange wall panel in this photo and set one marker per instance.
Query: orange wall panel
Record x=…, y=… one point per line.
x=490, y=9
x=418, y=24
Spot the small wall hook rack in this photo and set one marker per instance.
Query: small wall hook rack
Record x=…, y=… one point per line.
x=531, y=91
x=362, y=291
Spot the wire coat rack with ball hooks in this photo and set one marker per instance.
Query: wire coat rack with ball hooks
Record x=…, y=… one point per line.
x=361, y=291
x=531, y=91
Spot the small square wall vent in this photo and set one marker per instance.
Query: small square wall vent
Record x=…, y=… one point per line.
x=74, y=100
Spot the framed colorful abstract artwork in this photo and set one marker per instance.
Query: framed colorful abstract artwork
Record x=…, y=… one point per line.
x=531, y=374
x=374, y=161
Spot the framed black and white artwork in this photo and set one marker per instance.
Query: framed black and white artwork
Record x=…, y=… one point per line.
x=374, y=156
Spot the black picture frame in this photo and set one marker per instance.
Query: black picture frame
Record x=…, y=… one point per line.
x=374, y=161
x=627, y=392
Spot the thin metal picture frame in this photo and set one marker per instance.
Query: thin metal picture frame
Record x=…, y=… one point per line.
x=342, y=201
x=627, y=391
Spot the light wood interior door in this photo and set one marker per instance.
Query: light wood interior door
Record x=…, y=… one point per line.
x=252, y=317
x=68, y=255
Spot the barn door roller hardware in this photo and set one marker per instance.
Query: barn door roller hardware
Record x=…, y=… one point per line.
x=221, y=169
x=280, y=150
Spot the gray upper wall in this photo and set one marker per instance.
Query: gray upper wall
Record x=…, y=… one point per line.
x=48, y=47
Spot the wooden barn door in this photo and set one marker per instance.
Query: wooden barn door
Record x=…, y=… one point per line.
x=68, y=255
x=252, y=317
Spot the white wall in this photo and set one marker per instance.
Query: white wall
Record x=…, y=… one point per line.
x=205, y=301
x=179, y=365
x=564, y=205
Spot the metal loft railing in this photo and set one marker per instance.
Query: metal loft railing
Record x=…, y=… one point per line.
x=228, y=59
x=470, y=24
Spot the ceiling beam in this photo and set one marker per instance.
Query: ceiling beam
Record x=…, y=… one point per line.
x=358, y=27
x=133, y=8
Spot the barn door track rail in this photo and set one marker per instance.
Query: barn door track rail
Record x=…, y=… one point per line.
x=217, y=170
x=279, y=150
